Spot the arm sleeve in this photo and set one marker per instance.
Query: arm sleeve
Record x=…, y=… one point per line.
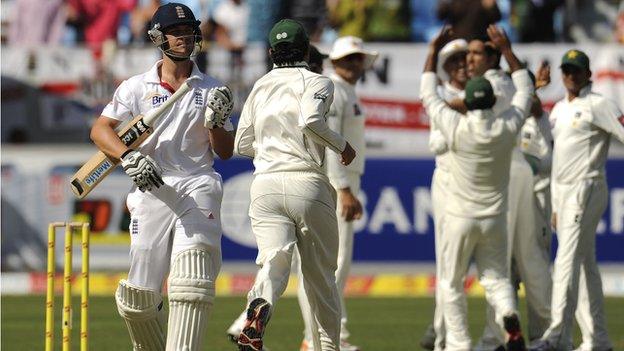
x=245, y=134
x=543, y=126
x=607, y=116
x=521, y=101
x=444, y=118
x=122, y=107
x=336, y=171
x=315, y=102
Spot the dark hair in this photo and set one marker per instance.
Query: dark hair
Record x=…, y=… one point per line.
x=284, y=54
x=491, y=50
x=482, y=104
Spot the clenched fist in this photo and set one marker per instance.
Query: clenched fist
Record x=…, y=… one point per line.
x=220, y=104
x=143, y=170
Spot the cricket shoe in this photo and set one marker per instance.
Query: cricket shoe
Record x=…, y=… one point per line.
x=234, y=339
x=427, y=341
x=515, y=341
x=305, y=345
x=542, y=345
x=346, y=346
x=258, y=315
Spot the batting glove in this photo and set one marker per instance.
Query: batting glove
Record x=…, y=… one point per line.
x=220, y=104
x=142, y=169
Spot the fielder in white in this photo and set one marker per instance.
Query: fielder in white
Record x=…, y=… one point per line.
x=315, y=64
x=350, y=60
x=480, y=145
x=583, y=123
x=293, y=205
x=528, y=227
x=451, y=70
x=175, y=203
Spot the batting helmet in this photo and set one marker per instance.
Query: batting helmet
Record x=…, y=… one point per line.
x=169, y=15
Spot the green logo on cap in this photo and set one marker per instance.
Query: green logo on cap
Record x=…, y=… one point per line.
x=288, y=31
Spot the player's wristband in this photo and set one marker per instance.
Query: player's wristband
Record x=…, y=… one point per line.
x=125, y=154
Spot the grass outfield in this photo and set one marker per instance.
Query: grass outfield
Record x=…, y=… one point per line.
x=377, y=324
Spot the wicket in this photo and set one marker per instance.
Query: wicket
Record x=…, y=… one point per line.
x=84, y=293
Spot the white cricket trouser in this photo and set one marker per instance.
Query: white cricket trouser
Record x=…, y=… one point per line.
x=529, y=239
x=298, y=208
x=579, y=210
x=163, y=223
x=345, y=257
x=485, y=239
x=439, y=195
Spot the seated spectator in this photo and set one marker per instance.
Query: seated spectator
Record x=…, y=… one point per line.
x=389, y=21
x=310, y=13
x=99, y=19
x=424, y=23
x=537, y=20
x=350, y=17
x=231, y=18
x=469, y=18
x=140, y=20
x=48, y=27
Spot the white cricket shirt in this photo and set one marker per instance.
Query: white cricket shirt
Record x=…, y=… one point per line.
x=536, y=140
x=582, y=129
x=179, y=144
x=346, y=118
x=503, y=88
x=480, y=146
x=283, y=124
x=437, y=142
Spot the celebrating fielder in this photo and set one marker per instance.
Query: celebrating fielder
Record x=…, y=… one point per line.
x=175, y=202
x=293, y=205
x=583, y=123
x=451, y=70
x=480, y=145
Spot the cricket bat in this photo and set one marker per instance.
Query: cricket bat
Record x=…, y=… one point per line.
x=132, y=135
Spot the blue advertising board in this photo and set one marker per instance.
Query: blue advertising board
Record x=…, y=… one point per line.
x=397, y=223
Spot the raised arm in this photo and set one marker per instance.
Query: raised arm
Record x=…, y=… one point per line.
x=524, y=87
x=444, y=117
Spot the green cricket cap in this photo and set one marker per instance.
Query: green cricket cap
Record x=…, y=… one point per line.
x=575, y=58
x=288, y=31
x=479, y=94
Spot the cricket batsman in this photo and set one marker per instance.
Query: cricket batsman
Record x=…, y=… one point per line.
x=346, y=117
x=480, y=145
x=293, y=205
x=583, y=123
x=175, y=202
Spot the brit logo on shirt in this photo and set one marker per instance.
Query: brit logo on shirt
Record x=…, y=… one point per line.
x=157, y=99
x=199, y=99
x=621, y=119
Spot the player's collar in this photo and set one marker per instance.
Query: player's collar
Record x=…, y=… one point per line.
x=152, y=74
x=301, y=64
x=584, y=91
x=337, y=78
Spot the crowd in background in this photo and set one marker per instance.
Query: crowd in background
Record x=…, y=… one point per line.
x=230, y=25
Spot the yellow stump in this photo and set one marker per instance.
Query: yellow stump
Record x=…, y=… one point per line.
x=67, y=286
x=67, y=309
x=84, y=294
x=49, y=332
